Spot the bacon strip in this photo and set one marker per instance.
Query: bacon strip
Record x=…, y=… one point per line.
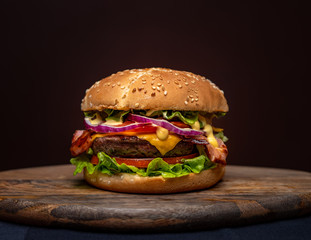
x=217, y=154
x=81, y=141
x=199, y=140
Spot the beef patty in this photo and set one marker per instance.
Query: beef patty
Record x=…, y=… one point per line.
x=132, y=146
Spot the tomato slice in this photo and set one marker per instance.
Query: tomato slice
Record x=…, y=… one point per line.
x=143, y=162
x=144, y=129
x=180, y=124
x=94, y=160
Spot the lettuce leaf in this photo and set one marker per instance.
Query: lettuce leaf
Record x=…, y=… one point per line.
x=221, y=136
x=187, y=117
x=156, y=167
x=107, y=114
x=82, y=162
x=116, y=115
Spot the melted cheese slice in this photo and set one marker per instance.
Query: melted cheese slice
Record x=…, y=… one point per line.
x=163, y=146
x=210, y=136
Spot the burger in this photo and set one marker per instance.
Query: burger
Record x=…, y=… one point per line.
x=150, y=131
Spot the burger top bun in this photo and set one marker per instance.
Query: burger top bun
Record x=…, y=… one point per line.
x=157, y=89
x=133, y=183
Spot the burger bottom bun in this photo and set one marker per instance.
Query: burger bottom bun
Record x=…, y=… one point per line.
x=133, y=183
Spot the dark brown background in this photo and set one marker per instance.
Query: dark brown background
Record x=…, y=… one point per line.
x=255, y=52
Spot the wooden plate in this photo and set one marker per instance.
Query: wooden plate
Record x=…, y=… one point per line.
x=52, y=196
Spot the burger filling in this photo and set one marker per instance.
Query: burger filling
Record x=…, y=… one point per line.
x=148, y=143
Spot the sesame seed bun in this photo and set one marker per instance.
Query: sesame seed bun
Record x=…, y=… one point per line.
x=133, y=183
x=157, y=89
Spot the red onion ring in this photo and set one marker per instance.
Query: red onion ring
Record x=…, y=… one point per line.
x=165, y=124
x=104, y=128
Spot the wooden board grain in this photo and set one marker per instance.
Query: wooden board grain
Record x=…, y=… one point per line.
x=52, y=196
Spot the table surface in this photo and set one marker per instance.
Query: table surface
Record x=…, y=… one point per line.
x=52, y=196
x=289, y=229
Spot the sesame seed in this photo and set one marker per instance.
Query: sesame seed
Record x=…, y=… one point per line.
x=124, y=96
x=163, y=88
x=112, y=85
x=90, y=95
x=136, y=104
x=158, y=89
x=192, y=100
x=141, y=88
x=122, y=87
x=159, y=84
x=186, y=103
x=168, y=81
x=176, y=82
x=176, y=74
x=134, y=90
x=118, y=83
x=108, y=84
x=153, y=87
x=186, y=83
x=152, y=82
x=180, y=86
x=153, y=94
x=196, y=99
x=165, y=93
x=191, y=96
x=193, y=81
x=145, y=91
x=143, y=82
